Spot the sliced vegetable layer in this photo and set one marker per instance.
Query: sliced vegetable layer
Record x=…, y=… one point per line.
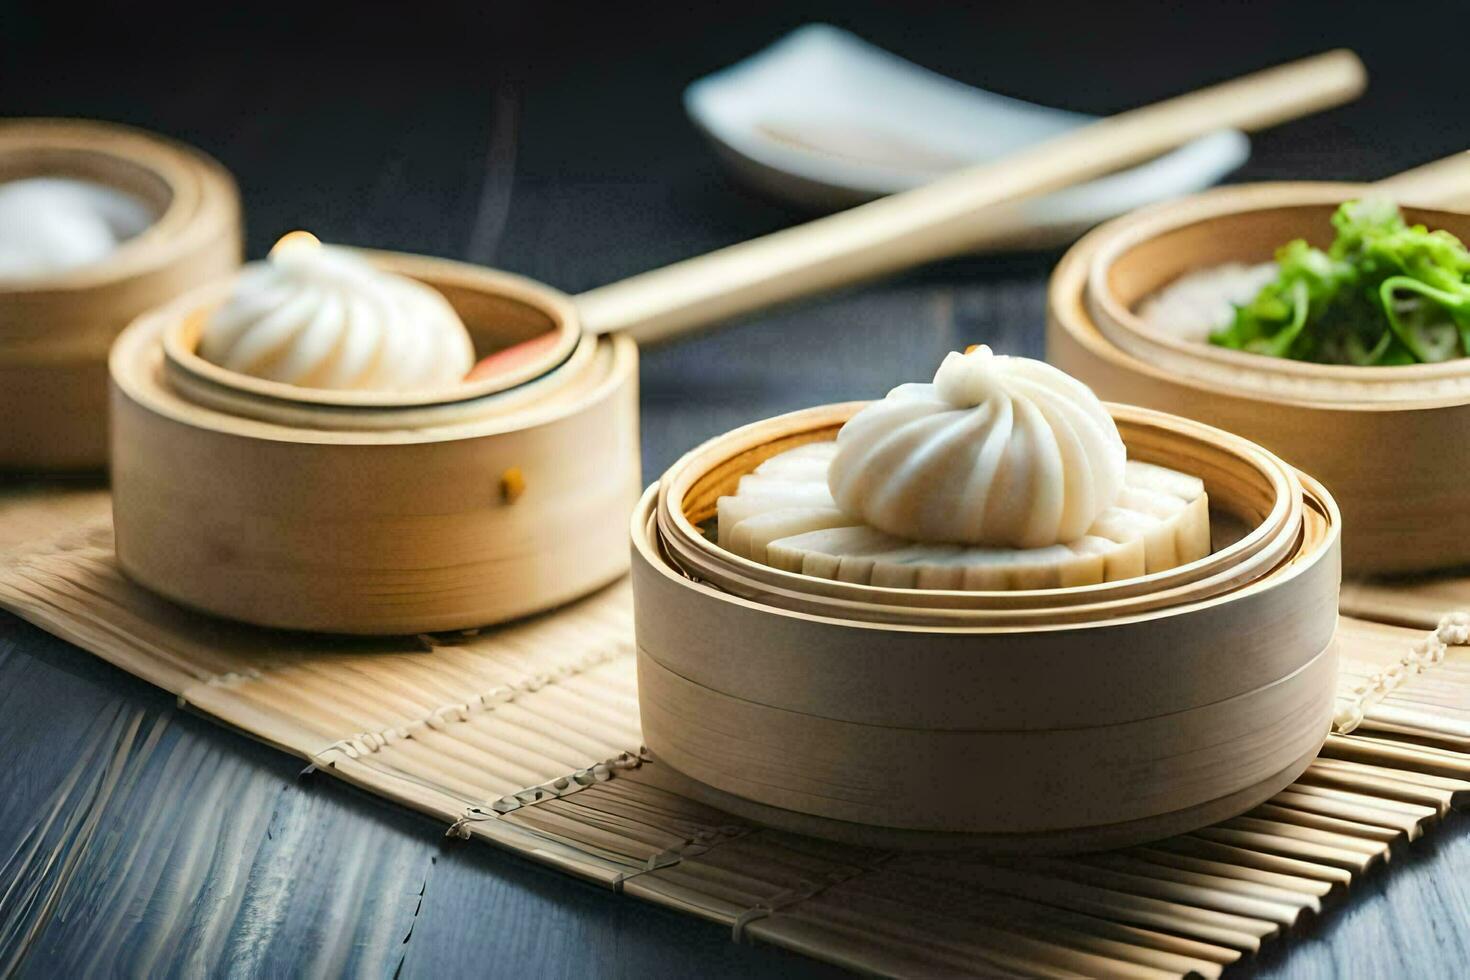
x=783, y=515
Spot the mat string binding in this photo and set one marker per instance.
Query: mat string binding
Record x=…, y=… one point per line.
x=364, y=743
x=799, y=893
x=1453, y=630
x=701, y=842
x=228, y=679
x=553, y=790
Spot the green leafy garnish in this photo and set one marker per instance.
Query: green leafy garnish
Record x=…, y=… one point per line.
x=1384, y=293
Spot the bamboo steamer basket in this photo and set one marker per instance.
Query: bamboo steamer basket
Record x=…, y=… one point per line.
x=369, y=513
x=1389, y=442
x=355, y=513
x=1073, y=725
x=55, y=330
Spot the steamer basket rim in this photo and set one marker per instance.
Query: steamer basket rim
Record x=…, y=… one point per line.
x=1280, y=474
x=132, y=354
x=1068, y=284
x=197, y=182
x=554, y=305
x=643, y=545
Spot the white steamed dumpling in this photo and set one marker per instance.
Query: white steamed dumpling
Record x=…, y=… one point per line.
x=50, y=225
x=322, y=317
x=997, y=451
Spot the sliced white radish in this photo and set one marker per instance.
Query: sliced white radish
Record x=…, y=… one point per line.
x=783, y=515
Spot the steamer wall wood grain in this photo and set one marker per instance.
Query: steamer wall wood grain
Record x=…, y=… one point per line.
x=996, y=781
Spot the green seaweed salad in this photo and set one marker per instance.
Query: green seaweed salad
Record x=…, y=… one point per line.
x=1385, y=293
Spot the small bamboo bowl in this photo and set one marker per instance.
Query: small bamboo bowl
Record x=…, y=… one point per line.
x=351, y=512
x=1389, y=442
x=55, y=331
x=1013, y=721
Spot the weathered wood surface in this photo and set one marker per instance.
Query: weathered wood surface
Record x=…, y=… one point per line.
x=565, y=156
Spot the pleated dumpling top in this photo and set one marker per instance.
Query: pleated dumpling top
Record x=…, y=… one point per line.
x=998, y=451
x=322, y=317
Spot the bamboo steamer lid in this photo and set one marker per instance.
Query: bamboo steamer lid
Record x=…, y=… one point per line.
x=362, y=513
x=55, y=331
x=1388, y=442
x=959, y=725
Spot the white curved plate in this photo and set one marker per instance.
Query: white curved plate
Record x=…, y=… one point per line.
x=824, y=119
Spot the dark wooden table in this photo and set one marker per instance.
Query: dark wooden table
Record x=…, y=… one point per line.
x=550, y=140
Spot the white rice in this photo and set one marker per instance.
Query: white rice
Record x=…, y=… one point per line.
x=1195, y=304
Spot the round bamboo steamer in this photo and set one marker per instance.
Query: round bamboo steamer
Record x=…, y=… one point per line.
x=1388, y=442
x=1061, y=735
x=371, y=514
x=55, y=331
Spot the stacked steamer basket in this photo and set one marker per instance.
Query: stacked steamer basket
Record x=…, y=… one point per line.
x=55, y=329
x=1043, y=720
x=1389, y=442
x=378, y=512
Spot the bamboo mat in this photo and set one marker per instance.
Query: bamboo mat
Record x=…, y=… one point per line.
x=528, y=736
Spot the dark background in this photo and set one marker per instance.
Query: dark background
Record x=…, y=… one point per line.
x=549, y=139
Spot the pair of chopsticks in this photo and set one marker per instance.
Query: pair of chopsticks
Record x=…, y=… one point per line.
x=955, y=213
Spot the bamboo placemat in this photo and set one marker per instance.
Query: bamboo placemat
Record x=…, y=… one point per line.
x=528, y=736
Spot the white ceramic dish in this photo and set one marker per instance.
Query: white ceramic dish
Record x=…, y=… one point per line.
x=824, y=119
